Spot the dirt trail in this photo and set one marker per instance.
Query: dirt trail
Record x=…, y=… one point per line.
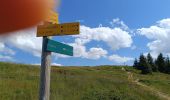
x=136, y=81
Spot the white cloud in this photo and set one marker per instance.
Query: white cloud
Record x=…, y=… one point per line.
x=93, y=53
x=154, y=32
x=5, y=50
x=37, y=64
x=25, y=40
x=56, y=64
x=115, y=38
x=96, y=53
x=118, y=23
x=6, y=53
x=165, y=23
x=160, y=36
x=5, y=58
x=79, y=50
x=119, y=59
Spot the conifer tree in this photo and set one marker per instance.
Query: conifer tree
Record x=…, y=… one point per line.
x=142, y=62
x=151, y=62
x=136, y=64
x=155, y=67
x=144, y=65
x=160, y=62
x=167, y=65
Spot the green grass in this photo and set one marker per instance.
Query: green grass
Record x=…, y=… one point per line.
x=159, y=81
x=21, y=82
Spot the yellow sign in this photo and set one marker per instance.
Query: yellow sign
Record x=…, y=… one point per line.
x=52, y=17
x=58, y=29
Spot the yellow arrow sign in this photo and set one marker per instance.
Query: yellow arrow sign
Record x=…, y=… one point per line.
x=58, y=29
x=52, y=17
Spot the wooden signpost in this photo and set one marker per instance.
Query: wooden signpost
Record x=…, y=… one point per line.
x=44, y=92
x=48, y=46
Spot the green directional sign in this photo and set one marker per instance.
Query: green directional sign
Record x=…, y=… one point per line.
x=58, y=47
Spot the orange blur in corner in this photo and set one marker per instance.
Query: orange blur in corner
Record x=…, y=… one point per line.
x=20, y=14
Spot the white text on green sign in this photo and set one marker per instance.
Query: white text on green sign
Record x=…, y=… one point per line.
x=58, y=47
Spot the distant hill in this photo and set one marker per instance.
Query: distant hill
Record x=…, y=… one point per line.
x=21, y=82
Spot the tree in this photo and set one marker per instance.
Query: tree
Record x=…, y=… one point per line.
x=155, y=67
x=142, y=61
x=144, y=65
x=167, y=65
x=160, y=62
x=151, y=62
x=147, y=69
x=136, y=64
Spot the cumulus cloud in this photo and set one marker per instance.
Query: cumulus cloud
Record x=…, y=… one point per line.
x=115, y=38
x=24, y=40
x=119, y=59
x=56, y=64
x=96, y=53
x=93, y=53
x=159, y=34
x=6, y=53
x=5, y=50
x=6, y=58
x=118, y=23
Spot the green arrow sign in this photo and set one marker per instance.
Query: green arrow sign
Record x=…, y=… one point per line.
x=58, y=47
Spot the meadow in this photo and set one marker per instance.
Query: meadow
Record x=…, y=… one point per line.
x=21, y=82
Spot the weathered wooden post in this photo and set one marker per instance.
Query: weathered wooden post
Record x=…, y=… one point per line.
x=45, y=72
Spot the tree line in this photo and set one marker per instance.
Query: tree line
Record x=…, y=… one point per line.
x=147, y=64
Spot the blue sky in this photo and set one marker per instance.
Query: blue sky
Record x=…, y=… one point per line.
x=113, y=32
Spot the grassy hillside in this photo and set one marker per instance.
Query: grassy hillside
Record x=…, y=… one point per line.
x=21, y=82
x=158, y=81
